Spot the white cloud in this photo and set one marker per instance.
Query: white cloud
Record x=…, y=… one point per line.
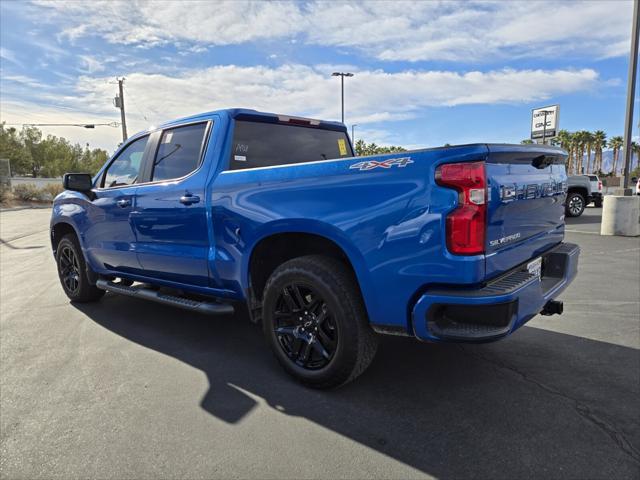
x=91, y=64
x=152, y=23
x=23, y=81
x=6, y=54
x=371, y=96
x=474, y=31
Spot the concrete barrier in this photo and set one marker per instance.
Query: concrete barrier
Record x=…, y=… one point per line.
x=620, y=216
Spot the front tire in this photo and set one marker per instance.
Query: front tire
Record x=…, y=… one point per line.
x=315, y=322
x=575, y=204
x=72, y=272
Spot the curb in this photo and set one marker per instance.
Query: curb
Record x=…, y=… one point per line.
x=24, y=207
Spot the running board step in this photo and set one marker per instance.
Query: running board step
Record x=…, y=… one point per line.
x=139, y=291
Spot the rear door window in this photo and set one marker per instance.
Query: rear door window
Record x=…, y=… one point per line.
x=179, y=152
x=258, y=144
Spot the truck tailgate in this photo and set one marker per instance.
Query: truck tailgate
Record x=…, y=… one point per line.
x=526, y=192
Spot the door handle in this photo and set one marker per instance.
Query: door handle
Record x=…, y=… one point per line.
x=188, y=199
x=123, y=202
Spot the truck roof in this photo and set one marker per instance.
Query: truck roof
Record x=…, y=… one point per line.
x=249, y=114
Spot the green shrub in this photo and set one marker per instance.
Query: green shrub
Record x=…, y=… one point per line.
x=51, y=190
x=6, y=196
x=28, y=192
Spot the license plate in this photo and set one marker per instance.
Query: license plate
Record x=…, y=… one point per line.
x=535, y=267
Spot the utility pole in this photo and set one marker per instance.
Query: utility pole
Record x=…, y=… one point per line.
x=631, y=88
x=119, y=103
x=342, y=75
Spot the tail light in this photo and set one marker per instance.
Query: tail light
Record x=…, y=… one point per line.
x=466, y=225
x=599, y=186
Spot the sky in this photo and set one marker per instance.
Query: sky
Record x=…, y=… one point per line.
x=425, y=73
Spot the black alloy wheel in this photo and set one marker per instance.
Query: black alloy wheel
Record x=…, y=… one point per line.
x=69, y=270
x=73, y=271
x=304, y=326
x=315, y=321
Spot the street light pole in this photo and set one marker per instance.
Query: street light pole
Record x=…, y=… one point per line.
x=631, y=87
x=342, y=75
x=342, y=95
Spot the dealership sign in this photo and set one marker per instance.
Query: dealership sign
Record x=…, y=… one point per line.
x=549, y=114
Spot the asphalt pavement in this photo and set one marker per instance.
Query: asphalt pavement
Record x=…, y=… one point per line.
x=129, y=389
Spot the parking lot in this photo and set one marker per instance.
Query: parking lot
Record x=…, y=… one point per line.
x=128, y=389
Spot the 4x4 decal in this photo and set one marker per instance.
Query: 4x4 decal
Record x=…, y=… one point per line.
x=371, y=164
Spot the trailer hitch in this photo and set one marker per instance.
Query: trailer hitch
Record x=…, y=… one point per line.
x=552, y=307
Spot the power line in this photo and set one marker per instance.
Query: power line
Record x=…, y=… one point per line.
x=135, y=103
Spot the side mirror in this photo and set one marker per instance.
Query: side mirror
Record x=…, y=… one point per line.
x=78, y=182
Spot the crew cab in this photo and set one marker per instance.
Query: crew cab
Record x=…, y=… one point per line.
x=238, y=209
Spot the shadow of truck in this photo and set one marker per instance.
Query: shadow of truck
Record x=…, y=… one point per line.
x=539, y=404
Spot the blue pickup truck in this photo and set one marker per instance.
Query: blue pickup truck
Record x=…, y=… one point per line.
x=274, y=216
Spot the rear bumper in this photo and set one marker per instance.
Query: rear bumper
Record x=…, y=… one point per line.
x=500, y=307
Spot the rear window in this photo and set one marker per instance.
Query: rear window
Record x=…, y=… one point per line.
x=593, y=178
x=257, y=144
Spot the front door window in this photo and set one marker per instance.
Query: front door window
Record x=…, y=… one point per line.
x=125, y=169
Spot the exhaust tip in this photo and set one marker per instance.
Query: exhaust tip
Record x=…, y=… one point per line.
x=553, y=307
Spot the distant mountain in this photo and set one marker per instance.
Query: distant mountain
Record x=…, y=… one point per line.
x=607, y=160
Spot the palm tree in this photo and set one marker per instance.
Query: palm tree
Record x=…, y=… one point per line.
x=564, y=141
x=599, y=141
x=635, y=148
x=580, y=144
x=574, y=145
x=615, y=144
x=588, y=141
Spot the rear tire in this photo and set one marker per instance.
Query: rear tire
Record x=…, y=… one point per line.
x=72, y=271
x=315, y=322
x=575, y=204
x=597, y=203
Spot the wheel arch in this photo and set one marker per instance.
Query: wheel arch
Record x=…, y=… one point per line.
x=284, y=242
x=581, y=190
x=59, y=230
